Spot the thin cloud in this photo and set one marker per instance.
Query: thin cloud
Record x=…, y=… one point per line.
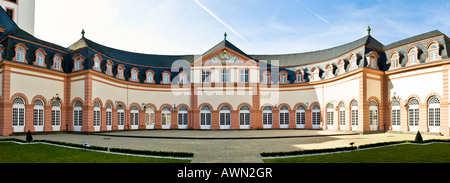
x=221, y=21
x=317, y=15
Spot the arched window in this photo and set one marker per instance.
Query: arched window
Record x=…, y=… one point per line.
x=300, y=76
x=150, y=117
x=109, y=66
x=373, y=115
x=315, y=117
x=267, y=117
x=182, y=117
x=283, y=77
x=354, y=62
x=225, y=117
x=78, y=62
x=56, y=114
x=120, y=71
x=97, y=115
x=395, y=115
x=20, y=53
x=413, y=114
x=354, y=116
x=413, y=56
x=330, y=116
x=395, y=60
x=77, y=116
x=284, y=117
x=38, y=113
x=57, y=59
x=134, y=117
x=342, y=114
x=166, y=116
x=266, y=77
x=150, y=77
x=134, y=75
x=315, y=74
x=120, y=116
x=108, y=116
x=40, y=58
x=18, y=116
x=329, y=71
x=205, y=117
x=166, y=78
x=183, y=78
x=97, y=63
x=300, y=117
x=244, y=117
x=434, y=114
x=433, y=52
x=341, y=69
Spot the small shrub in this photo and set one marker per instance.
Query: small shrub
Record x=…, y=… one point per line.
x=418, y=137
x=29, y=138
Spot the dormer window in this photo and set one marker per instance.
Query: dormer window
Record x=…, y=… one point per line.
x=134, y=75
x=183, y=78
x=372, y=59
x=150, y=77
x=40, y=57
x=109, y=66
x=341, y=67
x=166, y=78
x=373, y=62
x=315, y=74
x=329, y=71
x=120, y=72
x=395, y=60
x=78, y=62
x=20, y=53
x=433, y=51
x=283, y=77
x=266, y=77
x=97, y=62
x=354, y=62
x=57, y=59
x=413, y=56
x=300, y=76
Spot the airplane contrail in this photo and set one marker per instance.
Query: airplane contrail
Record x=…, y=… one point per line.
x=221, y=21
x=317, y=15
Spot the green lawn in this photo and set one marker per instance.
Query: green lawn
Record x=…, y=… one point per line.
x=43, y=153
x=404, y=153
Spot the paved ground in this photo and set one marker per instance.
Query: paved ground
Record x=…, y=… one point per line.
x=228, y=146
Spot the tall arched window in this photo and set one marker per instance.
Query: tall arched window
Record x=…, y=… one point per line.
x=205, y=117
x=244, y=117
x=40, y=58
x=97, y=63
x=225, y=117
x=267, y=117
x=97, y=116
x=77, y=116
x=413, y=56
x=120, y=117
x=108, y=116
x=150, y=117
x=109, y=68
x=395, y=115
x=315, y=117
x=166, y=78
x=149, y=77
x=354, y=116
x=330, y=116
x=341, y=115
x=373, y=115
x=284, y=117
x=134, y=75
x=57, y=59
x=433, y=52
x=434, y=114
x=38, y=115
x=120, y=71
x=413, y=114
x=56, y=116
x=183, y=117
x=166, y=117
x=300, y=117
x=18, y=116
x=20, y=54
x=134, y=117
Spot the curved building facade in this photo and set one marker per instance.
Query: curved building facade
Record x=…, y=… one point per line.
x=87, y=87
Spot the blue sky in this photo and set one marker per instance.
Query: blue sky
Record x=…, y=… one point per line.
x=255, y=26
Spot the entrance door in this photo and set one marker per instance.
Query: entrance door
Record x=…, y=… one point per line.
x=225, y=117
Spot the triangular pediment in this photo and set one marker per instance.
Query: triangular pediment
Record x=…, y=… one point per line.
x=225, y=53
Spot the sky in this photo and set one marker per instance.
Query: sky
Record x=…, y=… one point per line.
x=186, y=27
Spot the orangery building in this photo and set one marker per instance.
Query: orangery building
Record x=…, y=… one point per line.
x=88, y=87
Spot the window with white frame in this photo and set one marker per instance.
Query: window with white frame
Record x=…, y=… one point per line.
x=20, y=54
x=354, y=111
x=244, y=116
x=244, y=76
x=97, y=116
x=225, y=116
x=266, y=78
x=225, y=76
x=38, y=113
x=108, y=114
x=434, y=52
x=77, y=114
x=134, y=75
x=412, y=56
x=413, y=112
x=267, y=116
x=434, y=112
x=56, y=113
x=315, y=115
x=300, y=115
x=150, y=116
x=166, y=78
x=149, y=77
x=183, y=116
x=18, y=116
x=342, y=113
x=373, y=113
x=205, y=116
x=134, y=115
x=284, y=117
x=395, y=113
x=120, y=115
x=206, y=76
x=39, y=59
x=166, y=115
x=330, y=115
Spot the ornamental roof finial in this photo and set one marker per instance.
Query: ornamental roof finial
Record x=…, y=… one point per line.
x=225, y=36
x=368, y=30
x=82, y=33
